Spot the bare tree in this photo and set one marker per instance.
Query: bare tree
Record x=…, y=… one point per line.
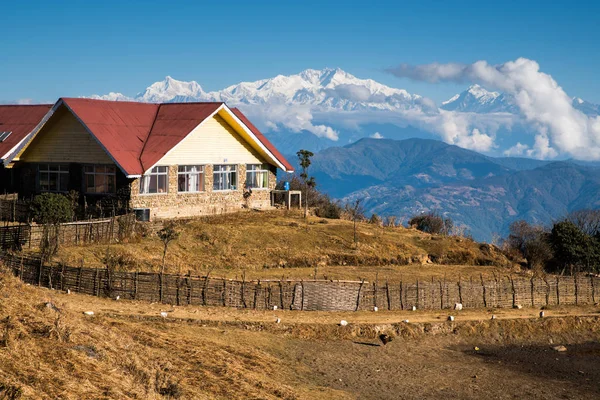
x=588, y=221
x=357, y=212
x=167, y=234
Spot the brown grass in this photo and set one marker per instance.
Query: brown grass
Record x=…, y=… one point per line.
x=275, y=244
x=50, y=349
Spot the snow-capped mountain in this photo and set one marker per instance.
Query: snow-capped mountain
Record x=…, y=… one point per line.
x=586, y=107
x=327, y=88
x=316, y=109
x=479, y=100
x=476, y=99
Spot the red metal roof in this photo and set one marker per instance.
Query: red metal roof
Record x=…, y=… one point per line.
x=137, y=135
x=263, y=140
x=20, y=120
x=121, y=127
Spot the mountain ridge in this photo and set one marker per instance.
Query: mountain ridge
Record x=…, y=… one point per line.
x=484, y=194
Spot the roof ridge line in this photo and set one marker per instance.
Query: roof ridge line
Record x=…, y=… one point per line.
x=148, y=137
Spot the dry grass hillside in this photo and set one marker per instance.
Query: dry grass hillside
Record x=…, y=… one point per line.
x=50, y=349
x=279, y=243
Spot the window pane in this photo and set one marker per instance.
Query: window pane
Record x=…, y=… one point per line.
x=153, y=187
x=111, y=183
x=162, y=184
x=89, y=183
x=181, y=183
x=201, y=182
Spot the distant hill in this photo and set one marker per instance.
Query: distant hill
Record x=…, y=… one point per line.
x=486, y=194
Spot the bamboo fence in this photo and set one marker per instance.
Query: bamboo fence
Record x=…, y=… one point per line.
x=188, y=289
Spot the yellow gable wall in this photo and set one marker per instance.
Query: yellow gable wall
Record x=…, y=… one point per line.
x=213, y=142
x=63, y=140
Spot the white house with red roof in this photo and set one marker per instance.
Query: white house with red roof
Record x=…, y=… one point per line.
x=175, y=159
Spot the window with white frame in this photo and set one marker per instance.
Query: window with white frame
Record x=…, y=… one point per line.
x=225, y=177
x=190, y=178
x=257, y=176
x=155, y=181
x=53, y=177
x=99, y=178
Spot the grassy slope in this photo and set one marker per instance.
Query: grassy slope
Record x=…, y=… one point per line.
x=127, y=351
x=273, y=244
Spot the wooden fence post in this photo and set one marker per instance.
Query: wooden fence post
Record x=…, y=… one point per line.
x=224, y=293
x=135, y=285
x=281, y=305
x=576, y=290
x=257, y=290
x=96, y=283
x=387, y=292
x=557, y=291
x=484, y=290
x=375, y=293
x=514, y=292
x=362, y=282
x=204, y=288
x=532, y=292
x=39, y=282
x=79, y=280
x=178, y=300
x=244, y=290
x=593, y=289
x=460, y=298
x=401, y=294
x=418, y=307
x=547, y=290
x=189, y=287
x=441, y=295
x=160, y=289
x=62, y=278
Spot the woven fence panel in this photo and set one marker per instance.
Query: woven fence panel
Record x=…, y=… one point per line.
x=324, y=296
x=502, y=292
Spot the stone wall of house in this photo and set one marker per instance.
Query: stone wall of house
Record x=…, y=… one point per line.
x=175, y=205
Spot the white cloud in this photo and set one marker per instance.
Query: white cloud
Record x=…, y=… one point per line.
x=295, y=118
x=541, y=148
x=476, y=141
x=518, y=149
x=352, y=92
x=376, y=135
x=539, y=98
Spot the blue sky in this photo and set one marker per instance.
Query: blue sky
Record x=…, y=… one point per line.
x=52, y=49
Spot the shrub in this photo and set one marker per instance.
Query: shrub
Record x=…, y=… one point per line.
x=52, y=208
x=328, y=209
x=375, y=220
x=531, y=241
x=432, y=223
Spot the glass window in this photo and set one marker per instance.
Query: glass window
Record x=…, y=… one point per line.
x=190, y=178
x=155, y=181
x=53, y=177
x=257, y=176
x=225, y=177
x=99, y=178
